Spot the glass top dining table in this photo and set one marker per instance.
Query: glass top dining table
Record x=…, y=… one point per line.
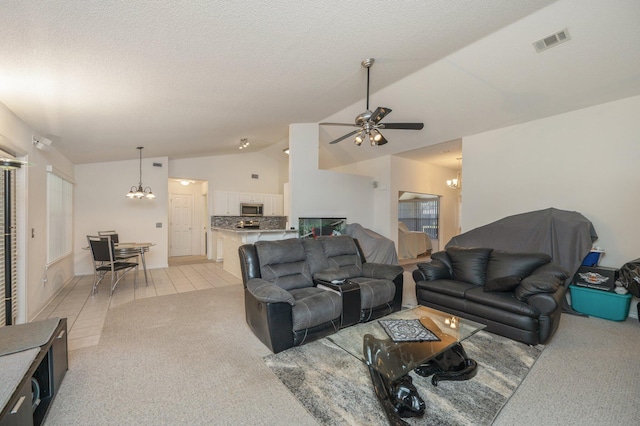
x=128, y=249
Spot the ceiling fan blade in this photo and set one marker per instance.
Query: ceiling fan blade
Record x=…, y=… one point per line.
x=402, y=126
x=344, y=137
x=339, y=124
x=379, y=114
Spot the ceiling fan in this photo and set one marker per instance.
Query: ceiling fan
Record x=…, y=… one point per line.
x=368, y=122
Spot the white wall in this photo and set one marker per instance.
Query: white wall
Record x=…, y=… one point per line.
x=101, y=204
x=379, y=171
x=393, y=174
x=231, y=172
x=585, y=161
x=415, y=176
x=323, y=193
x=37, y=282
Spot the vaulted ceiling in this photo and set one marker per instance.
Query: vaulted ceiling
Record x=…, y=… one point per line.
x=193, y=78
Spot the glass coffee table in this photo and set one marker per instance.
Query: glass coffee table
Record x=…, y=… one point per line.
x=390, y=360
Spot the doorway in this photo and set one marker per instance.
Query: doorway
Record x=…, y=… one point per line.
x=418, y=224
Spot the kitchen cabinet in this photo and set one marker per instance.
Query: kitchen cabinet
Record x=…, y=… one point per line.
x=273, y=205
x=227, y=203
x=251, y=198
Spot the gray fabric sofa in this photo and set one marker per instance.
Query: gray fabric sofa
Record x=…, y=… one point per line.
x=284, y=305
x=517, y=295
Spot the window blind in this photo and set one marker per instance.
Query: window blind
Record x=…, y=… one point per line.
x=59, y=216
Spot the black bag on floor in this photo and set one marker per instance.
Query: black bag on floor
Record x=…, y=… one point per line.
x=630, y=277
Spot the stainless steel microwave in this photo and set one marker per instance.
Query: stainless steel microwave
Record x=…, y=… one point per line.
x=251, y=209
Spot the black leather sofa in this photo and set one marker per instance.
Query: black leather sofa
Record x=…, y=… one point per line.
x=289, y=295
x=517, y=295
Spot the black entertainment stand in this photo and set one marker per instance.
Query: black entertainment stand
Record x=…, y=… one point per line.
x=37, y=382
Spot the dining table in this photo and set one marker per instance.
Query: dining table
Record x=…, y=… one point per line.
x=128, y=249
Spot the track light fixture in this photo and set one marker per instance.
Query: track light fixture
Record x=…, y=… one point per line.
x=244, y=143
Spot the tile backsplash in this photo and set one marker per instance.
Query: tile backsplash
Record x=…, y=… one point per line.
x=266, y=222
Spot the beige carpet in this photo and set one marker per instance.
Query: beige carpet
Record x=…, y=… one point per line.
x=588, y=374
x=187, y=358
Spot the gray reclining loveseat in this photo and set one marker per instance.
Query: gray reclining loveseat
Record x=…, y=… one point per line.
x=298, y=290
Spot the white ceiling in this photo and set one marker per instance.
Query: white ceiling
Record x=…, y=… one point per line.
x=192, y=78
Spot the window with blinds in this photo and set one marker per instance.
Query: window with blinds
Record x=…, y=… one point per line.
x=59, y=217
x=420, y=215
x=8, y=250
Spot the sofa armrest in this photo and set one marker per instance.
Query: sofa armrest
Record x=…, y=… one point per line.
x=547, y=303
x=431, y=271
x=554, y=269
x=381, y=271
x=267, y=292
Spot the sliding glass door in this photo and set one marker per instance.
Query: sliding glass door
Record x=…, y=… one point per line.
x=8, y=287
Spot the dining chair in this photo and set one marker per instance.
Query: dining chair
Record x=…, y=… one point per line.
x=114, y=237
x=104, y=260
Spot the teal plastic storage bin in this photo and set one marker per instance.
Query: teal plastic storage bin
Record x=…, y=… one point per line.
x=601, y=304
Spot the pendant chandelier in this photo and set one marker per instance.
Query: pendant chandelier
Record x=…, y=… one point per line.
x=138, y=192
x=457, y=182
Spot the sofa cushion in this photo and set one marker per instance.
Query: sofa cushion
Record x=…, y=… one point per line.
x=313, y=307
x=503, y=264
x=537, y=283
x=444, y=258
x=314, y=252
x=284, y=263
x=469, y=264
x=448, y=287
x=342, y=254
x=374, y=292
x=502, y=284
x=503, y=301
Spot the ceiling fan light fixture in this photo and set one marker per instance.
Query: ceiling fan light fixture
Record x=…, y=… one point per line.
x=369, y=121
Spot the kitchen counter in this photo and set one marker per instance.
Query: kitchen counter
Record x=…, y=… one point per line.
x=248, y=230
x=226, y=242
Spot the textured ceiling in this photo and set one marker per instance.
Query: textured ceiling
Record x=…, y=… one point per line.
x=192, y=78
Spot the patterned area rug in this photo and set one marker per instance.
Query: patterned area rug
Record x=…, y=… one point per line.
x=336, y=388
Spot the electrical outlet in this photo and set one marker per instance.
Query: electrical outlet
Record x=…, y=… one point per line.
x=158, y=224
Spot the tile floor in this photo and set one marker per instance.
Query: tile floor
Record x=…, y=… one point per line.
x=86, y=314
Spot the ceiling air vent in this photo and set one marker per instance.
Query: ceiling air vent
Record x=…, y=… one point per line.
x=551, y=41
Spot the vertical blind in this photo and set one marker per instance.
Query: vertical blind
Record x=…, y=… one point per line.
x=8, y=257
x=59, y=217
x=421, y=215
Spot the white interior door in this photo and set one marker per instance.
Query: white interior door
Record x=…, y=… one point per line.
x=181, y=224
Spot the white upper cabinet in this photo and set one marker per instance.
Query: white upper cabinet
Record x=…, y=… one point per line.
x=227, y=203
